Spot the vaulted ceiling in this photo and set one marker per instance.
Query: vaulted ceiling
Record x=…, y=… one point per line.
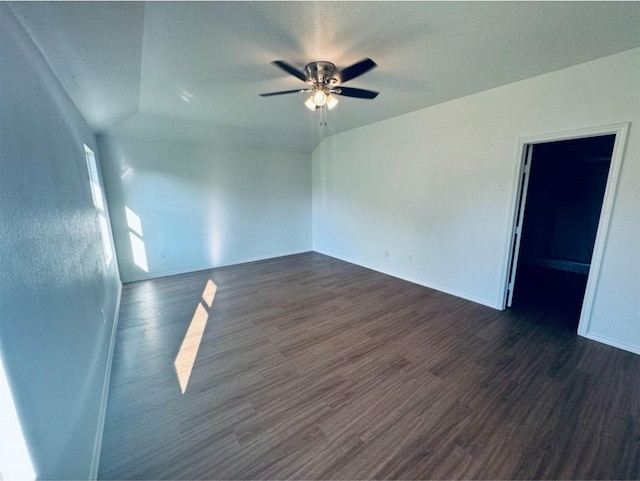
x=192, y=71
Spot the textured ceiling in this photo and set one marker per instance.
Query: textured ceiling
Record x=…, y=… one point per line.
x=192, y=71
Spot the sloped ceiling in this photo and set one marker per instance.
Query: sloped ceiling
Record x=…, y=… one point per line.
x=192, y=71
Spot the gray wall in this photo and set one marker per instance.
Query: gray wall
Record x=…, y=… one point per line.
x=201, y=206
x=53, y=279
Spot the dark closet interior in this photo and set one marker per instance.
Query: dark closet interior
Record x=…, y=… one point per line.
x=564, y=199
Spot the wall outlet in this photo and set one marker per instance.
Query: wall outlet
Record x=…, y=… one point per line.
x=162, y=255
x=386, y=253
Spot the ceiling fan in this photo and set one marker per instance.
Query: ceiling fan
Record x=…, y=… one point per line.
x=325, y=81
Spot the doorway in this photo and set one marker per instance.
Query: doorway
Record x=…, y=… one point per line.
x=565, y=193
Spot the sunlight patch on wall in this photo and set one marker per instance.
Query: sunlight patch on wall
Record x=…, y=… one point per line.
x=133, y=221
x=138, y=250
x=215, y=242
x=125, y=169
x=186, y=357
x=15, y=462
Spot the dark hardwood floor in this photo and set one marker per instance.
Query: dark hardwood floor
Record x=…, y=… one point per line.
x=313, y=368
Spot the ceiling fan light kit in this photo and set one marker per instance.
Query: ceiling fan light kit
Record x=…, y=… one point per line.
x=319, y=98
x=325, y=82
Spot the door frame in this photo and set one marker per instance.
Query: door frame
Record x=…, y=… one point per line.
x=527, y=158
x=518, y=188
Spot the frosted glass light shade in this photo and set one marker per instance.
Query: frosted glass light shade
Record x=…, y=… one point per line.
x=331, y=102
x=320, y=98
x=310, y=104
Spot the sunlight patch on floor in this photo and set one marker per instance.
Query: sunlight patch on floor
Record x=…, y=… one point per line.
x=186, y=357
x=209, y=292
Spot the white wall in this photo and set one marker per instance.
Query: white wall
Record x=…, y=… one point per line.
x=434, y=188
x=54, y=284
x=204, y=206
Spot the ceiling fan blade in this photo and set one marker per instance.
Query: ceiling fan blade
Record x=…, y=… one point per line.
x=355, y=70
x=357, y=93
x=283, y=92
x=290, y=69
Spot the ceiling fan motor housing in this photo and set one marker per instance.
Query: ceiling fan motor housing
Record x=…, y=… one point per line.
x=321, y=73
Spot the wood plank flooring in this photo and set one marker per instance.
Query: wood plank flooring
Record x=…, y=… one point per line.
x=313, y=368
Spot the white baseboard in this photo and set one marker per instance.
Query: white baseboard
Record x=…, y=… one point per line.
x=97, y=446
x=189, y=270
x=612, y=342
x=451, y=292
x=594, y=337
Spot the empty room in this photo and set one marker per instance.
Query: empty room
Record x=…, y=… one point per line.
x=319, y=240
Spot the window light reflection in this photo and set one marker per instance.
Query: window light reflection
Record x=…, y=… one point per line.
x=99, y=203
